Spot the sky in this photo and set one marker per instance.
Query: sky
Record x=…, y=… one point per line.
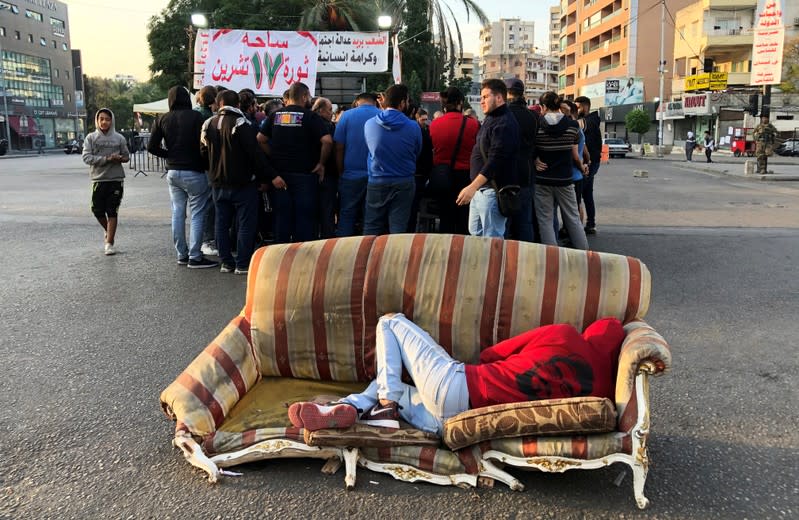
x=121, y=48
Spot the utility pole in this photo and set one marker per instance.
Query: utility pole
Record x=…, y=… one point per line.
x=662, y=72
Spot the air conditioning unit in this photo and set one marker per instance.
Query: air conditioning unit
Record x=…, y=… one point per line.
x=796, y=22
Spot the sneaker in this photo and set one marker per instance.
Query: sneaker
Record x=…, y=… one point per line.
x=383, y=416
x=226, y=268
x=240, y=271
x=312, y=416
x=109, y=249
x=183, y=261
x=590, y=230
x=209, y=248
x=202, y=263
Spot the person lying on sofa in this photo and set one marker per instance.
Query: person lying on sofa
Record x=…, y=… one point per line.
x=549, y=362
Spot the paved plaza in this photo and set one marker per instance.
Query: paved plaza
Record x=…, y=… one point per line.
x=88, y=343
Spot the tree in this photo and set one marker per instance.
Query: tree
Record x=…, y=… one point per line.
x=637, y=121
x=339, y=15
x=119, y=96
x=790, y=64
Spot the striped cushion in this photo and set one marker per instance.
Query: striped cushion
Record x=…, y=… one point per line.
x=583, y=447
x=203, y=395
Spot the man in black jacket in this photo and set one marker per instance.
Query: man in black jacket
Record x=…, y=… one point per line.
x=589, y=122
x=180, y=130
x=236, y=168
x=493, y=162
x=522, y=224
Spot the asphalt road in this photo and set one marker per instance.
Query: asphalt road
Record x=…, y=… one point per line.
x=88, y=343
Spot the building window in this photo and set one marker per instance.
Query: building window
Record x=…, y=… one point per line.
x=17, y=35
x=34, y=15
x=43, y=41
x=69, y=97
x=63, y=46
x=66, y=73
x=30, y=38
x=59, y=26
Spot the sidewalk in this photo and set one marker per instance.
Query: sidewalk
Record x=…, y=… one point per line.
x=725, y=163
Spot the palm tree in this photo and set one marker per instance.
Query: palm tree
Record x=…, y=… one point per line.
x=429, y=27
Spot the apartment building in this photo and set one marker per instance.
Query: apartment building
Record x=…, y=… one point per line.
x=39, y=75
x=507, y=50
x=464, y=66
x=612, y=39
x=554, y=30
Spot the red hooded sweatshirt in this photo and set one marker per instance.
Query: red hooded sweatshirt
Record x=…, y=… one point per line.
x=550, y=362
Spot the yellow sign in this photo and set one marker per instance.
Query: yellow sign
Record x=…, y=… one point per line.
x=706, y=81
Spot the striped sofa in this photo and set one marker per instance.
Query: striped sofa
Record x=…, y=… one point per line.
x=308, y=329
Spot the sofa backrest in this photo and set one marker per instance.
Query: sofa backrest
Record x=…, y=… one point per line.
x=313, y=306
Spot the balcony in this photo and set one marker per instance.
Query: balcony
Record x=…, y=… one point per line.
x=730, y=4
x=715, y=39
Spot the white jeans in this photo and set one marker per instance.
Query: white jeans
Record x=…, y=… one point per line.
x=440, y=390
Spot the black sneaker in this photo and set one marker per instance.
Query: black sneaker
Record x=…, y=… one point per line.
x=590, y=230
x=382, y=416
x=202, y=263
x=227, y=268
x=183, y=261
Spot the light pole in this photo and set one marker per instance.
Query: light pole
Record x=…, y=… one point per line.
x=197, y=20
x=661, y=71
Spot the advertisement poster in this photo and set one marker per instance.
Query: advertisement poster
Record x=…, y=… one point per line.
x=268, y=62
x=624, y=91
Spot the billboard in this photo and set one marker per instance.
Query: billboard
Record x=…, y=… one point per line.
x=768, y=43
x=624, y=91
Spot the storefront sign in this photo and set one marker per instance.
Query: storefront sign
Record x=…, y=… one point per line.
x=706, y=81
x=45, y=112
x=767, y=44
x=17, y=101
x=696, y=105
x=617, y=114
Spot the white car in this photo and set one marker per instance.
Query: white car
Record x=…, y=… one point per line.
x=617, y=147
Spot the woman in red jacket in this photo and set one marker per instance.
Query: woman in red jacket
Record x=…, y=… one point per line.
x=549, y=362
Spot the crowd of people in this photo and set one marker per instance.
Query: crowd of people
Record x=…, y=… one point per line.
x=295, y=170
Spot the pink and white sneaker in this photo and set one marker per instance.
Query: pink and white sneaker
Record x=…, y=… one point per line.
x=312, y=416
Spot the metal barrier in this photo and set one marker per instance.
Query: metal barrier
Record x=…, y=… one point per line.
x=142, y=161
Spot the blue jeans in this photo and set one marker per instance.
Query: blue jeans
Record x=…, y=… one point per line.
x=241, y=203
x=588, y=194
x=388, y=206
x=485, y=220
x=295, y=208
x=190, y=188
x=440, y=390
x=352, y=200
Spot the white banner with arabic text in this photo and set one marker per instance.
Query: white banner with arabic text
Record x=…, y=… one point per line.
x=348, y=51
x=268, y=62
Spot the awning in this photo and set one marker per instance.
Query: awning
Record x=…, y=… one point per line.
x=23, y=125
x=154, y=107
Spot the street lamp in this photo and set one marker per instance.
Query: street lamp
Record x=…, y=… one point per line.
x=384, y=21
x=197, y=20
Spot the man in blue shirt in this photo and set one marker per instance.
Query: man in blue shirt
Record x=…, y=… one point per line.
x=351, y=156
x=394, y=143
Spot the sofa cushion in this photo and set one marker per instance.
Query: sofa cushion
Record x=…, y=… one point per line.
x=365, y=436
x=576, y=415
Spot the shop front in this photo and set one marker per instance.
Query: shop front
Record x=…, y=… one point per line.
x=34, y=129
x=615, y=126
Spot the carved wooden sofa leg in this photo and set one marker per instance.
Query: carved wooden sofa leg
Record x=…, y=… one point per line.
x=492, y=471
x=350, y=456
x=411, y=474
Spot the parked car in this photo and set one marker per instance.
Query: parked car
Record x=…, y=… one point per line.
x=3, y=146
x=789, y=148
x=617, y=147
x=73, y=146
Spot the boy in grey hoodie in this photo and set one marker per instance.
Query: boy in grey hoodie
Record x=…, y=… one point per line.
x=104, y=150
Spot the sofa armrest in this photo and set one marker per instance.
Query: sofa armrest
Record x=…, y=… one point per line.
x=203, y=394
x=643, y=349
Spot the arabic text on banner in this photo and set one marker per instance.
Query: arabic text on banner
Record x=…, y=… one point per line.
x=200, y=56
x=767, y=44
x=268, y=62
x=353, y=51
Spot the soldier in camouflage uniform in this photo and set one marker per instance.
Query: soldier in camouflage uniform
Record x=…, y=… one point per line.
x=765, y=134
